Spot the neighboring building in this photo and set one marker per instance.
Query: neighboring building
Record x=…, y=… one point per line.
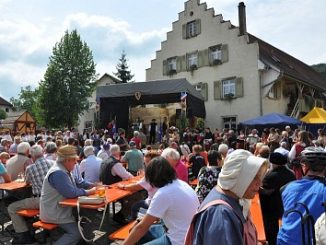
x=5, y=105
x=240, y=75
x=88, y=119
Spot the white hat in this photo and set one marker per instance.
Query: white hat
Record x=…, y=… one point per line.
x=239, y=169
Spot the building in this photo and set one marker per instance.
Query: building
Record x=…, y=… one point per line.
x=240, y=75
x=5, y=105
x=88, y=119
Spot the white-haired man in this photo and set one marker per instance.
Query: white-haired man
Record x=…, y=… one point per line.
x=13, y=147
x=19, y=162
x=173, y=158
x=59, y=184
x=35, y=174
x=90, y=166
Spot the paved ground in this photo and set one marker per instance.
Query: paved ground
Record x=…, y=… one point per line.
x=109, y=226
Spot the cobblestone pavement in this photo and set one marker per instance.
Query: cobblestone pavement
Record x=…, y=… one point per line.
x=108, y=227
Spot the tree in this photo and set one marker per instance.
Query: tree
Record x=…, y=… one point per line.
x=26, y=100
x=321, y=69
x=123, y=72
x=3, y=114
x=68, y=82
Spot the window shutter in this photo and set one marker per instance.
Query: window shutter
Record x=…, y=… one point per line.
x=238, y=87
x=203, y=58
x=204, y=90
x=183, y=64
x=165, y=70
x=179, y=65
x=184, y=31
x=198, y=26
x=217, y=90
x=225, y=53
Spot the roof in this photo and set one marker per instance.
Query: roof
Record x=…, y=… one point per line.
x=271, y=119
x=288, y=65
x=156, y=87
x=4, y=102
x=315, y=116
x=116, y=80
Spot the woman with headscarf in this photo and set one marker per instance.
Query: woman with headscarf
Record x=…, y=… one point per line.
x=224, y=214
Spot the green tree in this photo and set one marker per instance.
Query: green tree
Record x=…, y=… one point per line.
x=3, y=114
x=123, y=72
x=26, y=99
x=321, y=69
x=68, y=82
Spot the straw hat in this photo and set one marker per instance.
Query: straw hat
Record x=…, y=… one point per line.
x=67, y=151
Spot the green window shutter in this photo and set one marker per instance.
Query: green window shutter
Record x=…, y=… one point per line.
x=203, y=58
x=184, y=31
x=183, y=64
x=198, y=26
x=204, y=90
x=165, y=70
x=217, y=90
x=179, y=63
x=225, y=53
x=238, y=87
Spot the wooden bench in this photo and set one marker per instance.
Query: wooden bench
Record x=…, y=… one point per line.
x=45, y=226
x=29, y=213
x=122, y=233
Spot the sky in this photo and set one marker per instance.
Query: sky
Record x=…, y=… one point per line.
x=29, y=29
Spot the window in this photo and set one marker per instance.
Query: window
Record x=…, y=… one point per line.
x=191, y=29
x=215, y=55
x=230, y=122
x=192, y=61
x=172, y=65
x=7, y=109
x=203, y=89
x=228, y=88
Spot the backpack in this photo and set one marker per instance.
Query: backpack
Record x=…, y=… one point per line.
x=249, y=229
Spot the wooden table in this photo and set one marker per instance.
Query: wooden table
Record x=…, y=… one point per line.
x=257, y=218
x=72, y=202
x=10, y=186
x=13, y=185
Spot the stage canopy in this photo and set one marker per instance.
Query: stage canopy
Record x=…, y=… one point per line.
x=116, y=99
x=271, y=120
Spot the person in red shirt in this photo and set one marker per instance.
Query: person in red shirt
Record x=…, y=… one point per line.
x=137, y=140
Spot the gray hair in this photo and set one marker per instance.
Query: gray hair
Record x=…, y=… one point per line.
x=170, y=153
x=36, y=151
x=88, y=142
x=136, y=133
x=114, y=148
x=223, y=148
x=88, y=150
x=23, y=147
x=50, y=147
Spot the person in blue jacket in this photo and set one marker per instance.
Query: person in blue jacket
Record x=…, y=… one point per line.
x=310, y=191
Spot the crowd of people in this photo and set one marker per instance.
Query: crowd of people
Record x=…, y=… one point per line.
x=284, y=167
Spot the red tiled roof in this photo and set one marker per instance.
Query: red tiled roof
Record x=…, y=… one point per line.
x=289, y=65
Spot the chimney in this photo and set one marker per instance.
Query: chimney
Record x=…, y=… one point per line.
x=242, y=19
